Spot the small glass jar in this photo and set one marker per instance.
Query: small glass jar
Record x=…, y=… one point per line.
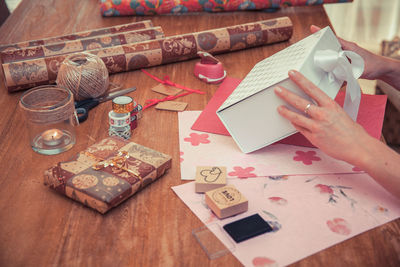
x=51, y=118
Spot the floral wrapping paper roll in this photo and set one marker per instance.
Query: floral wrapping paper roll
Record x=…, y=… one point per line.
x=107, y=173
x=80, y=35
x=79, y=45
x=29, y=73
x=152, y=7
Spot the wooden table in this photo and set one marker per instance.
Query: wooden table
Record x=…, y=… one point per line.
x=41, y=228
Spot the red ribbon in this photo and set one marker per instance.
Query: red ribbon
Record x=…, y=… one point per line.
x=152, y=102
x=167, y=81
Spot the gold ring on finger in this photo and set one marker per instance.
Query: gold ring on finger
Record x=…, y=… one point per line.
x=307, y=108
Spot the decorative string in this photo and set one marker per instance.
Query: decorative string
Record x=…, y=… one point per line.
x=118, y=161
x=154, y=101
x=85, y=75
x=47, y=104
x=167, y=81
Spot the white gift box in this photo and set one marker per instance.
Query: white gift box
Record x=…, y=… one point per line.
x=250, y=112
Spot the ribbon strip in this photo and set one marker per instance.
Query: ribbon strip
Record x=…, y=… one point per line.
x=167, y=81
x=119, y=161
x=152, y=102
x=339, y=68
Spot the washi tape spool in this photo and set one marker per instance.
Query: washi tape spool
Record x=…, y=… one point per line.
x=122, y=104
x=139, y=110
x=124, y=131
x=134, y=118
x=119, y=119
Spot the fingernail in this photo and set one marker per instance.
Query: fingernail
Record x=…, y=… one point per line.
x=278, y=89
x=292, y=73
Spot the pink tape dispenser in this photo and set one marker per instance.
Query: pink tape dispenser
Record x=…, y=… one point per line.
x=209, y=69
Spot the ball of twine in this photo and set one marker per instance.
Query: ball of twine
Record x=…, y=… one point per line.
x=84, y=74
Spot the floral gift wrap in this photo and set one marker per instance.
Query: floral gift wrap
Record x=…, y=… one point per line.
x=107, y=173
x=152, y=7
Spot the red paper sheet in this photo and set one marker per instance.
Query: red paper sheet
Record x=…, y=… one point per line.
x=370, y=114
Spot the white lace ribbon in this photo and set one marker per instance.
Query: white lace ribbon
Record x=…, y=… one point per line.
x=338, y=67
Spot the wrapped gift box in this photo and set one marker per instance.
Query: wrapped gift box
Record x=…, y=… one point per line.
x=250, y=112
x=107, y=173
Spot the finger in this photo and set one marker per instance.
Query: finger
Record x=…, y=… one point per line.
x=307, y=134
x=301, y=129
x=309, y=88
x=295, y=118
x=296, y=101
x=314, y=28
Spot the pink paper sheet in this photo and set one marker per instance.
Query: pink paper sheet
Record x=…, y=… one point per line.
x=207, y=149
x=319, y=211
x=371, y=113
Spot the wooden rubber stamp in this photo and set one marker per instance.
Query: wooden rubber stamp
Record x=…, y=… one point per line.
x=226, y=201
x=209, y=178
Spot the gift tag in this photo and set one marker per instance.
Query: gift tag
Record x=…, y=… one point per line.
x=171, y=105
x=166, y=90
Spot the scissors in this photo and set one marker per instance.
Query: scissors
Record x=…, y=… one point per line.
x=82, y=107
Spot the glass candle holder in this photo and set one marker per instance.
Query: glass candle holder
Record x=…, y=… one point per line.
x=51, y=118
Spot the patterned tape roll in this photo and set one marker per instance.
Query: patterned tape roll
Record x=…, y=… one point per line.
x=119, y=119
x=124, y=131
x=122, y=104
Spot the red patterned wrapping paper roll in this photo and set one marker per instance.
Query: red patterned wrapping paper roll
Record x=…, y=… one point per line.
x=80, y=35
x=152, y=7
x=29, y=73
x=95, y=42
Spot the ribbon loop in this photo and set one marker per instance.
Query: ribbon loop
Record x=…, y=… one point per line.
x=340, y=69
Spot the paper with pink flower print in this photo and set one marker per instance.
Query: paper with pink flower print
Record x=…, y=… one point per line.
x=301, y=211
x=207, y=149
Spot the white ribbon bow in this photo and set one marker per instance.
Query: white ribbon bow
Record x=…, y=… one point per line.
x=338, y=67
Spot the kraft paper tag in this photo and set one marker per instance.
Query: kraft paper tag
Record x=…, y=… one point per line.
x=166, y=90
x=172, y=105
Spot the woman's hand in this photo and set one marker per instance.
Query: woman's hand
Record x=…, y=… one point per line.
x=327, y=125
x=376, y=67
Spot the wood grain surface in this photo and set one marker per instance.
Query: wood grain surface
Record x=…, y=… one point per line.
x=38, y=227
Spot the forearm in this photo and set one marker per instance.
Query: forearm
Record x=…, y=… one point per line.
x=389, y=71
x=381, y=163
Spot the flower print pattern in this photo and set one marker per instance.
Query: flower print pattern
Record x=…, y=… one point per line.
x=278, y=177
x=263, y=262
x=339, y=226
x=242, y=172
x=278, y=201
x=306, y=157
x=330, y=191
x=196, y=139
x=380, y=209
x=181, y=154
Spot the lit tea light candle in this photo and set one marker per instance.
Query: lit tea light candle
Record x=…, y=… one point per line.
x=52, y=137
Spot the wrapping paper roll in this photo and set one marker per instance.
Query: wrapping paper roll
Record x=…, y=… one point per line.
x=80, y=35
x=151, y=7
x=95, y=42
x=29, y=73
